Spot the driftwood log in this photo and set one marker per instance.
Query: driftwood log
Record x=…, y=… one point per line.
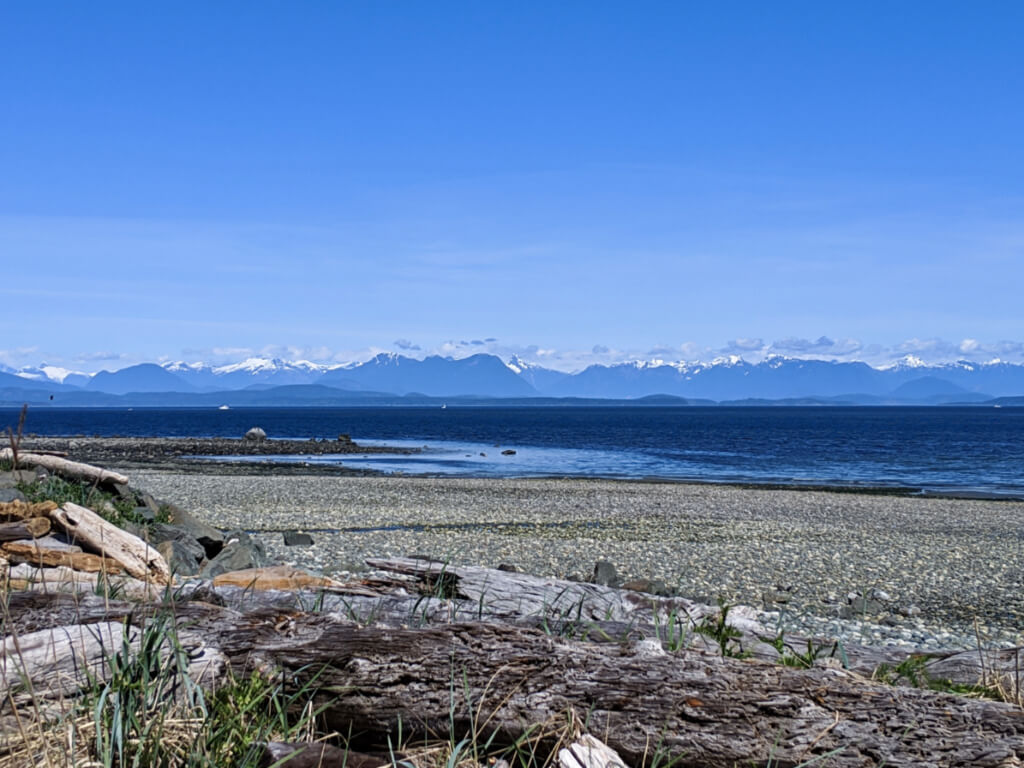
x=21, y=510
x=25, y=552
x=644, y=702
x=136, y=556
x=29, y=528
x=65, y=468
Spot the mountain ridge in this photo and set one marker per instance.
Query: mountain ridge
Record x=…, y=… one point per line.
x=484, y=375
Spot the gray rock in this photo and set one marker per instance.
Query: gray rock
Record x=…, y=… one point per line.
x=160, y=533
x=508, y=568
x=180, y=557
x=151, y=504
x=12, y=478
x=239, y=553
x=256, y=434
x=296, y=539
x=11, y=494
x=508, y=452
x=144, y=513
x=209, y=537
x=861, y=607
x=605, y=574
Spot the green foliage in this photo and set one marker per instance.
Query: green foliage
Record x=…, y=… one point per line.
x=727, y=636
x=151, y=713
x=806, y=658
x=112, y=508
x=674, y=634
x=913, y=672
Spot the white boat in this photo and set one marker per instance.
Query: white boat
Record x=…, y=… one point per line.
x=224, y=408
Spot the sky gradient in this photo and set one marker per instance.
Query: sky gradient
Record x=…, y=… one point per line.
x=580, y=183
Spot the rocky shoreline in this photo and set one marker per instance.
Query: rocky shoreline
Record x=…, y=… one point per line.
x=883, y=570
x=186, y=453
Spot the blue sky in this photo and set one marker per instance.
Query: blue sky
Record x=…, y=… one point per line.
x=576, y=182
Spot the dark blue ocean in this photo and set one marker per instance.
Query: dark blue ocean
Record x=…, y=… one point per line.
x=970, y=449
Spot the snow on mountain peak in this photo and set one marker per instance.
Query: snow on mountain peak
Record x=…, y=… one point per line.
x=46, y=372
x=907, y=361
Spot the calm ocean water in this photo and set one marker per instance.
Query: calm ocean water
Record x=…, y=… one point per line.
x=938, y=449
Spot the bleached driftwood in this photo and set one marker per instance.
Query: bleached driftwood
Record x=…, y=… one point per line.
x=64, y=467
x=31, y=578
x=61, y=661
x=138, y=558
x=22, y=552
x=521, y=594
x=29, y=528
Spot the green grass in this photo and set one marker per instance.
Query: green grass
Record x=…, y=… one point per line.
x=111, y=507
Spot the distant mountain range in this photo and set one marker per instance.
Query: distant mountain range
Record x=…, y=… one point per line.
x=395, y=378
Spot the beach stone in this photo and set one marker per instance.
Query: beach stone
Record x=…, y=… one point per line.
x=11, y=494
x=12, y=478
x=209, y=537
x=296, y=539
x=507, y=568
x=256, y=434
x=508, y=452
x=181, y=558
x=605, y=574
x=239, y=553
x=161, y=532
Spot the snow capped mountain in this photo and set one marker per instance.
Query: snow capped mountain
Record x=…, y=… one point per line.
x=48, y=374
x=253, y=371
x=483, y=375
x=540, y=378
x=726, y=378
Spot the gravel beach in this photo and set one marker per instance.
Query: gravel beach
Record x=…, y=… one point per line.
x=937, y=573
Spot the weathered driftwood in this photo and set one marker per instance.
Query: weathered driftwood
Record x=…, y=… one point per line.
x=32, y=578
x=65, y=468
x=52, y=665
x=521, y=594
x=20, y=552
x=20, y=510
x=317, y=755
x=282, y=577
x=28, y=528
x=138, y=558
x=699, y=708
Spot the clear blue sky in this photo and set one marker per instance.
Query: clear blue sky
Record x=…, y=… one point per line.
x=577, y=181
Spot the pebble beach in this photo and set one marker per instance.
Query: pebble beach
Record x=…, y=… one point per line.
x=933, y=573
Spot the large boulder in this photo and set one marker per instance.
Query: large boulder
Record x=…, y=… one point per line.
x=240, y=553
x=256, y=435
x=180, y=557
x=209, y=537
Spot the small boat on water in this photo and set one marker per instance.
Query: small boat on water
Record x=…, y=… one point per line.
x=224, y=408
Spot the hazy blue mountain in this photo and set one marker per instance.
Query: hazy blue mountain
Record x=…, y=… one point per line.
x=729, y=379
x=10, y=381
x=779, y=378
x=145, y=377
x=435, y=376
